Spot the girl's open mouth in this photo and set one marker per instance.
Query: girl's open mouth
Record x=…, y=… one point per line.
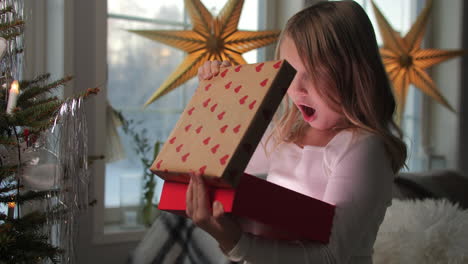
x=308, y=113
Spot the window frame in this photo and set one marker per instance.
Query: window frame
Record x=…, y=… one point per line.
x=415, y=118
x=104, y=214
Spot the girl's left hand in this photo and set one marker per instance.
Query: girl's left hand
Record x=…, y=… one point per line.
x=211, y=219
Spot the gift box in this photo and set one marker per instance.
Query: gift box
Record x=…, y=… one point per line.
x=216, y=136
x=223, y=123
x=262, y=208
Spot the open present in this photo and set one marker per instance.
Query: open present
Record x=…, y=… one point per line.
x=217, y=134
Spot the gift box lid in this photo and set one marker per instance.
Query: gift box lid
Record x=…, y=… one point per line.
x=223, y=123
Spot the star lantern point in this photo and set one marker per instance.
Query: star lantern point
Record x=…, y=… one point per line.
x=211, y=38
x=405, y=61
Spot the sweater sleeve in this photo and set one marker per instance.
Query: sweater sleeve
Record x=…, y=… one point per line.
x=359, y=185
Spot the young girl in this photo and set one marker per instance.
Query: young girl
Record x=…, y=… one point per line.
x=334, y=140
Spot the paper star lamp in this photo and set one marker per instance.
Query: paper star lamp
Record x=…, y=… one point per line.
x=211, y=38
x=405, y=61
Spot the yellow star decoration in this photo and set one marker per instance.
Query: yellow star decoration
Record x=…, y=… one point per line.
x=405, y=61
x=211, y=38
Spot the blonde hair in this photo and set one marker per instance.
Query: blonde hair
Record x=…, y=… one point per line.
x=338, y=47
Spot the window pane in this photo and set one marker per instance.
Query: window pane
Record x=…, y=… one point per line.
x=401, y=15
x=150, y=9
x=397, y=12
x=137, y=66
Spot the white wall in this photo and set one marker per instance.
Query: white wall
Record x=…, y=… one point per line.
x=446, y=22
x=87, y=53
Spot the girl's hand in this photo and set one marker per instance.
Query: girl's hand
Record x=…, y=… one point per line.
x=213, y=220
x=210, y=69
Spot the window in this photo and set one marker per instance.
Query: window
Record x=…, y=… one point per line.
x=136, y=67
x=401, y=14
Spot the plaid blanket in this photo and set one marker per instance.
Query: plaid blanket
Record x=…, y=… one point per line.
x=174, y=239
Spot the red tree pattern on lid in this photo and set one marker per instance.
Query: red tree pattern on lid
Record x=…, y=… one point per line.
x=213, y=108
x=205, y=104
x=236, y=129
x=202, y=169
x=184, y=157
x=223, y=128
x=191, y=111
x=277, y=65
x=215, y=148
x=206, y=141
x=223, y=74
x=242, y=100
x=179, y=147
x=221, y=116
x=251, y=105
x=259, y=67
x=224, y=159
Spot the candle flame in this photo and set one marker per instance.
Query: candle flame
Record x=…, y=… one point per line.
x=15, y=86
x=11, y=205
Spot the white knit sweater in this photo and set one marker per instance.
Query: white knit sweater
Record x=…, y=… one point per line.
x=352, y=172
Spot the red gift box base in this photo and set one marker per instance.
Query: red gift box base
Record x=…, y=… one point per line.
x=263, y=208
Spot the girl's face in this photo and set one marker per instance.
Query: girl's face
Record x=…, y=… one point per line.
x=302, y=91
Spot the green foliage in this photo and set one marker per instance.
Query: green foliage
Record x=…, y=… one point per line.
x=29, y=196
x=34, y=113
x=8, y=187
x=6, y=10
x=25, y=84
x=143, y=148
x=30, y=92
x=9, y=30
x=4, y=140
x=6, y=174
x=22, y=240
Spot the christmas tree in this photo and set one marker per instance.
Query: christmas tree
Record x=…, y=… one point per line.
x=41, y=188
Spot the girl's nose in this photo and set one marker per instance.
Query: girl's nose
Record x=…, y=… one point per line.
x=298, y=88
x=301, y=90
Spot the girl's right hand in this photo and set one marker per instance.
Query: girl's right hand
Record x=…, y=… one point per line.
x=210, y=69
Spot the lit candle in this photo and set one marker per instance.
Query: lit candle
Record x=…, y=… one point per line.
x=12, y=97
x=11, y=210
